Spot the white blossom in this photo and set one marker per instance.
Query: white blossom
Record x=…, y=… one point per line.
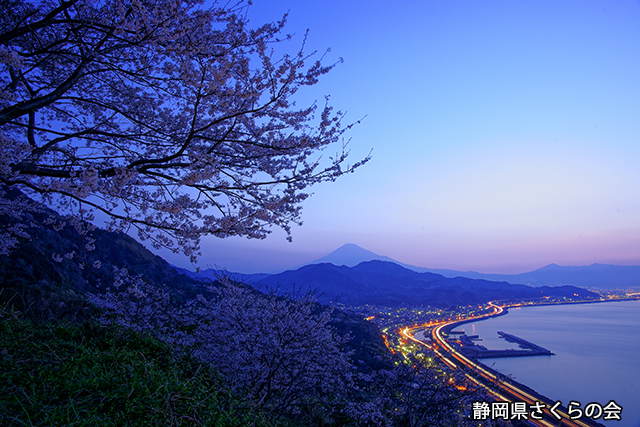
x=173, y=119
x=276, y=352
x=281, y=354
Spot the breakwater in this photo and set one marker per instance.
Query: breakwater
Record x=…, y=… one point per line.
x=466, y=345
x=590, y=341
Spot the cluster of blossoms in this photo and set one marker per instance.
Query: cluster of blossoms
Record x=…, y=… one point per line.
x=164, y=116
x=13, y=209
x=180, y=121
x=281, y=354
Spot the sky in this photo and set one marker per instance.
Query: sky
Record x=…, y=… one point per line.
x=504, y=134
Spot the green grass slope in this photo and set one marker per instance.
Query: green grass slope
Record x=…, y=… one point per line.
x=55, y=374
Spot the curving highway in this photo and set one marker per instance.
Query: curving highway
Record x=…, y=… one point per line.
x=500, y=389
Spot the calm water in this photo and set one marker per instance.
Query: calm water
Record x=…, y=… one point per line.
x=596, y=346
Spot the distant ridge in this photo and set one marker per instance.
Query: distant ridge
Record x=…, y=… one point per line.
x=602, y=276
x=211, y=275
x=389, y=284
x=598, y=276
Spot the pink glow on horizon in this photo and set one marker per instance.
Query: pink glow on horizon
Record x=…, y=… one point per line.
x=505, y=135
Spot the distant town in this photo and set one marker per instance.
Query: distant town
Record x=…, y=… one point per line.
x=392, y=321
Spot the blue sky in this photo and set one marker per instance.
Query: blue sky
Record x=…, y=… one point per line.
x=505, y=134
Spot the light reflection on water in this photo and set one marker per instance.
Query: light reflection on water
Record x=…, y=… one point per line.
x=596, y=346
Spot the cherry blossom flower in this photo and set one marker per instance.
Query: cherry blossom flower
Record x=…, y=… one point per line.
x=169, y=118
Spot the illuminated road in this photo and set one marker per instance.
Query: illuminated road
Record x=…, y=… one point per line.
x=501, y=390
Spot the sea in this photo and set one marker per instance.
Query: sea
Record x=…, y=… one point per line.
x=596, y=353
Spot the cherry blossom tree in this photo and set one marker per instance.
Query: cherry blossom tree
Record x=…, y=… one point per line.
x=167, y=117
x=281, y=354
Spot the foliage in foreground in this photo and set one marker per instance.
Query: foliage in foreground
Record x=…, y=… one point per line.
x=90, y=374
x=282, y=356
x=281, y=359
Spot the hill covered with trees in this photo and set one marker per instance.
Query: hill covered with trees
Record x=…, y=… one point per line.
x=279, y=359
x=173, y=120
x=388, y=284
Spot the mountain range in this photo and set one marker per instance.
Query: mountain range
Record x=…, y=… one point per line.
x=388, y=284
x=597, y=276
x=361, y=276
x=355, y=276
x=31, y=269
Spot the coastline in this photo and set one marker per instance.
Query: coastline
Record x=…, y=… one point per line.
x=570, y=375
x=507, y=378
x=577, y=302
x=505, y=310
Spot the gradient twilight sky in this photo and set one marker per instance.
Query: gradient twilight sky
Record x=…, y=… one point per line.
x=505, y=134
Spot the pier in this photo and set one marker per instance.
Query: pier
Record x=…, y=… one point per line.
x=467, y=347
x=523, y=343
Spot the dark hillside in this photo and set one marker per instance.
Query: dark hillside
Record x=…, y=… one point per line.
x=33, y=282
x=52, y=236
x=48, y=274
x=389, y=284
x=31, y=277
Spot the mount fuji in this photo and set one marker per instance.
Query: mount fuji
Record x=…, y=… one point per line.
x=350, y=255
x=599, y=276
